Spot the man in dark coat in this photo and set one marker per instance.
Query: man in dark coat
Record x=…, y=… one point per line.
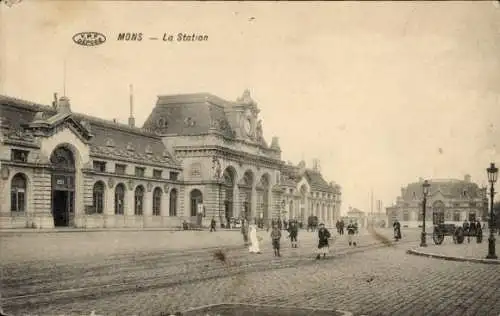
x=244, y=231
x=293, y=231
x=323, y=236
x=212, y=225
x=466, y=228
x=397, y=230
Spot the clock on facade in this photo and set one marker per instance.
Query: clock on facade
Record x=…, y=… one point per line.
x=247, y=126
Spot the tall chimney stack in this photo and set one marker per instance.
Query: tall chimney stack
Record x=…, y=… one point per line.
x=131, y=119
x=54, y=103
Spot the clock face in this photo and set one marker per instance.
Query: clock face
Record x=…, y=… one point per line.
x=248, y=126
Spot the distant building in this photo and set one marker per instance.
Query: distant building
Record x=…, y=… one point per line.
x=196, y=157
x=356, y=216
x=450, y=200
x=307, y=193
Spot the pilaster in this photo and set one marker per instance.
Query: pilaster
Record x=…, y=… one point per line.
x=42, y=195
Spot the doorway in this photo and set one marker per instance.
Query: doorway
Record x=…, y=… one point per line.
x=60, y=208
x=63, y=186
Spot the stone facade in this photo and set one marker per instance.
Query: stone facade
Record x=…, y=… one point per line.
x=197, y=157
x=451, y=199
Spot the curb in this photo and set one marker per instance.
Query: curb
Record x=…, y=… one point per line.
x=235, y=306
x=451, y=258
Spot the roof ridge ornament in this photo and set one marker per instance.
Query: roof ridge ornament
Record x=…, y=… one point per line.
x=246, y=98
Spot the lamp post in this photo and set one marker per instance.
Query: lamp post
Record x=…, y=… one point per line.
x=425, y=191
x=492, y=178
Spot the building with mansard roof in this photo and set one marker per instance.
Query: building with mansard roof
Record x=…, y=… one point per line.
x=197, y=157
x=449, y=200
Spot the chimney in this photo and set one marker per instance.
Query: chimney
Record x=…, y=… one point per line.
x=302, y=166
x=467, y=178
x=275, y=144
x=63, y=106
x=54, y=103
x=316, y=165
x=131, y=119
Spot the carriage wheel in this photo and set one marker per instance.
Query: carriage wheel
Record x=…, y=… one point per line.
x=460, y=235
x=438, y=237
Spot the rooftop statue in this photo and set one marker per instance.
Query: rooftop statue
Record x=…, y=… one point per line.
x=246, y=98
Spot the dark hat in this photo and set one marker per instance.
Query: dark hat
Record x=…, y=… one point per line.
x=321, y=224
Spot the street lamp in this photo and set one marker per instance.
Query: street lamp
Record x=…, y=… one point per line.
x=425, y=190
x=492, y=178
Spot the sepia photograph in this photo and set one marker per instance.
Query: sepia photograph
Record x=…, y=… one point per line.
x=249, y=158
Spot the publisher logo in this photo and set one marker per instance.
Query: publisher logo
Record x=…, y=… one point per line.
x=89, y=38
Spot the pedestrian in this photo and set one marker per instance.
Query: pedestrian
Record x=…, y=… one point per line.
x=244, y=231
x=466, y=228
x=323, y=236
x=275, y=237
x=293, y=231
x=397, y=230
x=212, y=225
x=351, y=230
x=342, y=224
x=254, y=240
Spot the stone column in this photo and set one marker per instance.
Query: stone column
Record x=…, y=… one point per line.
x=109, y=205
x=236, y=201
x=253, y=204
x=165, y=208
x=147, y=210
x=42, y=203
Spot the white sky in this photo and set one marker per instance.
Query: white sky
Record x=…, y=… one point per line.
x=372, y=89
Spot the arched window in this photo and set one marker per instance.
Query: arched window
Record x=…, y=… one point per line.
x=172, y=211
x=18, y=193
x=98, y=197
x=157, y=202
x=119, y=199
x=196, y=198
x=62, y=158
x=139, y=199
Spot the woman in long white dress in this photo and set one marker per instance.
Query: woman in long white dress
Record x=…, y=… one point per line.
x=254, y=246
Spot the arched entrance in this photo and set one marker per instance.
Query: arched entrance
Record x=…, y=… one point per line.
x=228, y=184
x=196, y=199
x=63, y=186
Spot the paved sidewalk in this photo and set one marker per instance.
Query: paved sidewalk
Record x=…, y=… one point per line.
x=64, y=246
x=448, y=250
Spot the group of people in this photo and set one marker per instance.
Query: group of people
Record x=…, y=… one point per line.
x=293, y=231
x=324, y=237
x=471, y=228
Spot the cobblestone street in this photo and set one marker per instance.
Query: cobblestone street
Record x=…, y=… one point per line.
x=372, y=279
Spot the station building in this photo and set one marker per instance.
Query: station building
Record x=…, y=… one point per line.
x=196, y=157
x=449, y=200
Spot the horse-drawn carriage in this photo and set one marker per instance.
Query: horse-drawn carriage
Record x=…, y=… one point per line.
x=458, y=233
